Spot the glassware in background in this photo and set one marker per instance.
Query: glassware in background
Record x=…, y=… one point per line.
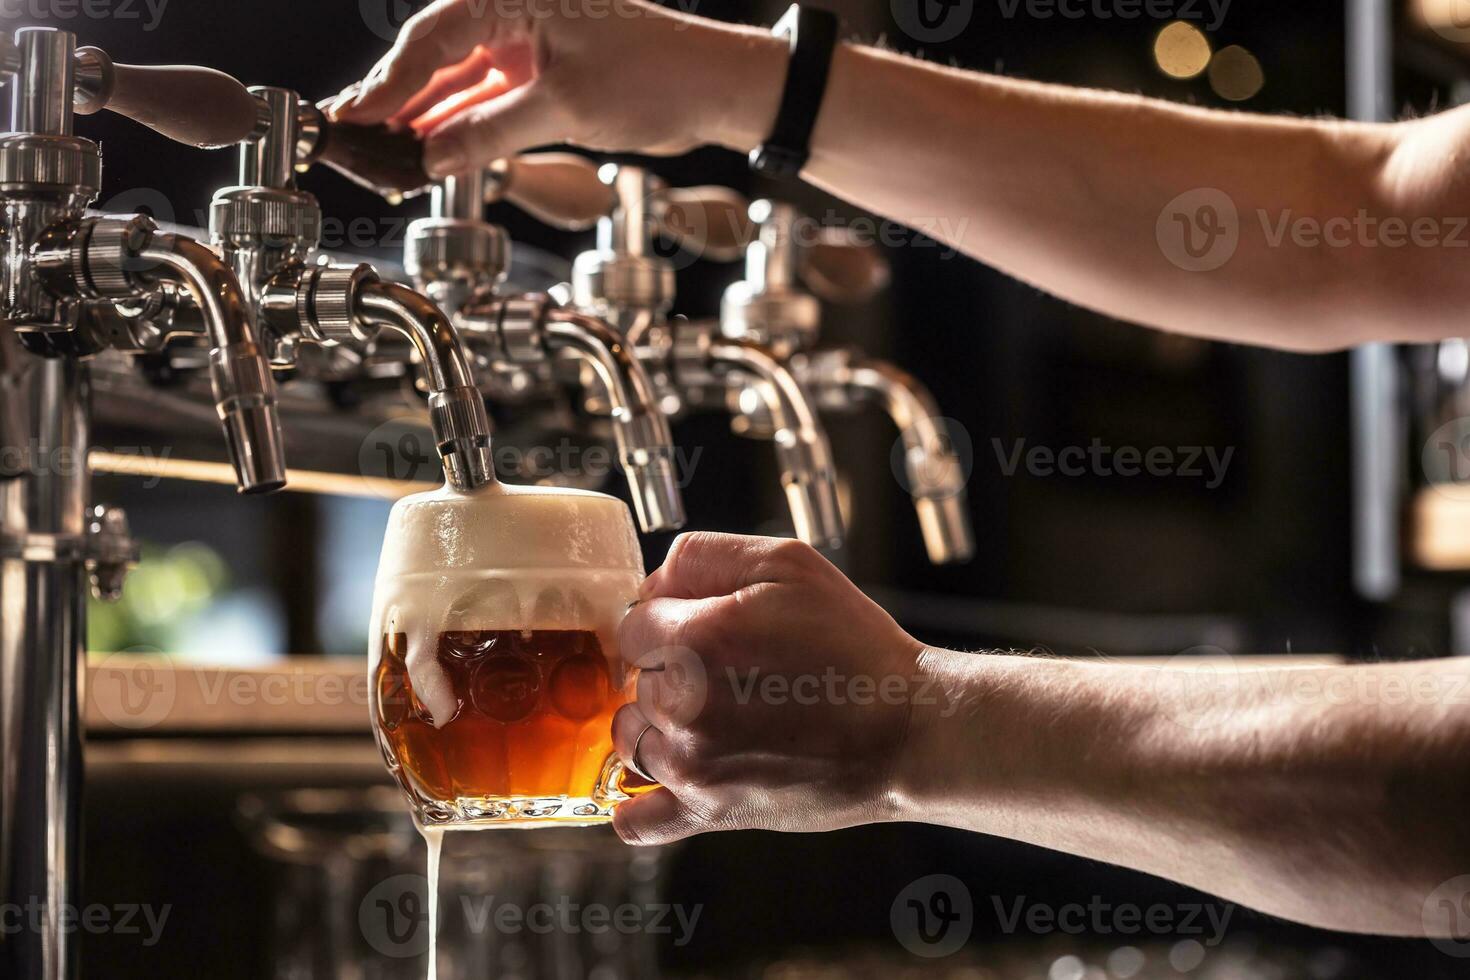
x=352, y=899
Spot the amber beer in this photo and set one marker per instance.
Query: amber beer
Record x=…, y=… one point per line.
x=496, y=673
x=532, y=722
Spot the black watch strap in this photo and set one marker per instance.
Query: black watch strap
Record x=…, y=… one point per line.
x=813, y=35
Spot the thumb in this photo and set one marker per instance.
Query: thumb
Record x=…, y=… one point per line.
x=656, y=817
x=520, y=119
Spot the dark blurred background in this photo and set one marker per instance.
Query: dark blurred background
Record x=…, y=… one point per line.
x=1117, y=565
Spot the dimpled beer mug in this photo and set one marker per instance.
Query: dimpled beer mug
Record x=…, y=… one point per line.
x=495, y=670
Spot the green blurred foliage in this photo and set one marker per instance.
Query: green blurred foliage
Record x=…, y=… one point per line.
x=169, y=586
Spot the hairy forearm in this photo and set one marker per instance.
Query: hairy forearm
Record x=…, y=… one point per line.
x=1079, y=193
x=1284, y=790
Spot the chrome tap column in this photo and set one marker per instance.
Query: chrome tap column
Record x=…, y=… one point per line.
x=42, y=628
x=62, y=275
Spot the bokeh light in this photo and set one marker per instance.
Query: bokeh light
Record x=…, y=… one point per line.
x=1181, y=50
x=1235, y=74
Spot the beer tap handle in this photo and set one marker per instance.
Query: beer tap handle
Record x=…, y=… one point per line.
x=711, y=220
x=196, y=106
x=842, y=269
x=559, y=189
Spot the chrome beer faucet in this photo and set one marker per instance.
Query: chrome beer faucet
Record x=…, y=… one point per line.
x=624, y=281
x=460, y=259
x=268, y=231
x=64, y=276
x=770, y=306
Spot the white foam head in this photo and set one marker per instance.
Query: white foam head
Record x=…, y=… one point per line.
x=500, y=558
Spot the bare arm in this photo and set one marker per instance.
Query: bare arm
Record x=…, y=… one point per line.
x=789, y=701
x=1325, y=795
x=1303, y=234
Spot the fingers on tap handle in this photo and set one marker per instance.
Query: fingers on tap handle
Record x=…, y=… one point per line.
x=522, y=118
x=197, y=106
x=389, y=162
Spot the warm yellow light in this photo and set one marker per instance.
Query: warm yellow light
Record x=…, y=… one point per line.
x=1181, y=50
x=1235, y=74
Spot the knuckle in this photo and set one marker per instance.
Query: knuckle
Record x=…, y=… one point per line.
x=687, y=547
x=789, y=556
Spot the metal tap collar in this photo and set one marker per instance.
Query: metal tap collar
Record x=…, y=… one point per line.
x=34, y=163
x=265, y=217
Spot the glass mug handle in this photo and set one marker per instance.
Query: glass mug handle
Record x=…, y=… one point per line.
x=619, y=781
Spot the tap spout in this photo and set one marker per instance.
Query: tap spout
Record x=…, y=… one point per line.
x=245, y=394
x=456, y=408
x=807, y=471
x=645, y=444
x=934, y=474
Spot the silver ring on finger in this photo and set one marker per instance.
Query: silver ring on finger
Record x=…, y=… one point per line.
x=633, y=762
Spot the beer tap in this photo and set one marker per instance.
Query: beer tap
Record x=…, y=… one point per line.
x=460, y=259
x=624, y=281
x=268, y=231
x=64, y=276
x=771, y=307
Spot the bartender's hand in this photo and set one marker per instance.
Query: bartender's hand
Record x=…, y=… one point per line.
x=603, y=74
x=779, y=694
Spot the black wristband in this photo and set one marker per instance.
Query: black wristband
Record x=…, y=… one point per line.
x=813, y=36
